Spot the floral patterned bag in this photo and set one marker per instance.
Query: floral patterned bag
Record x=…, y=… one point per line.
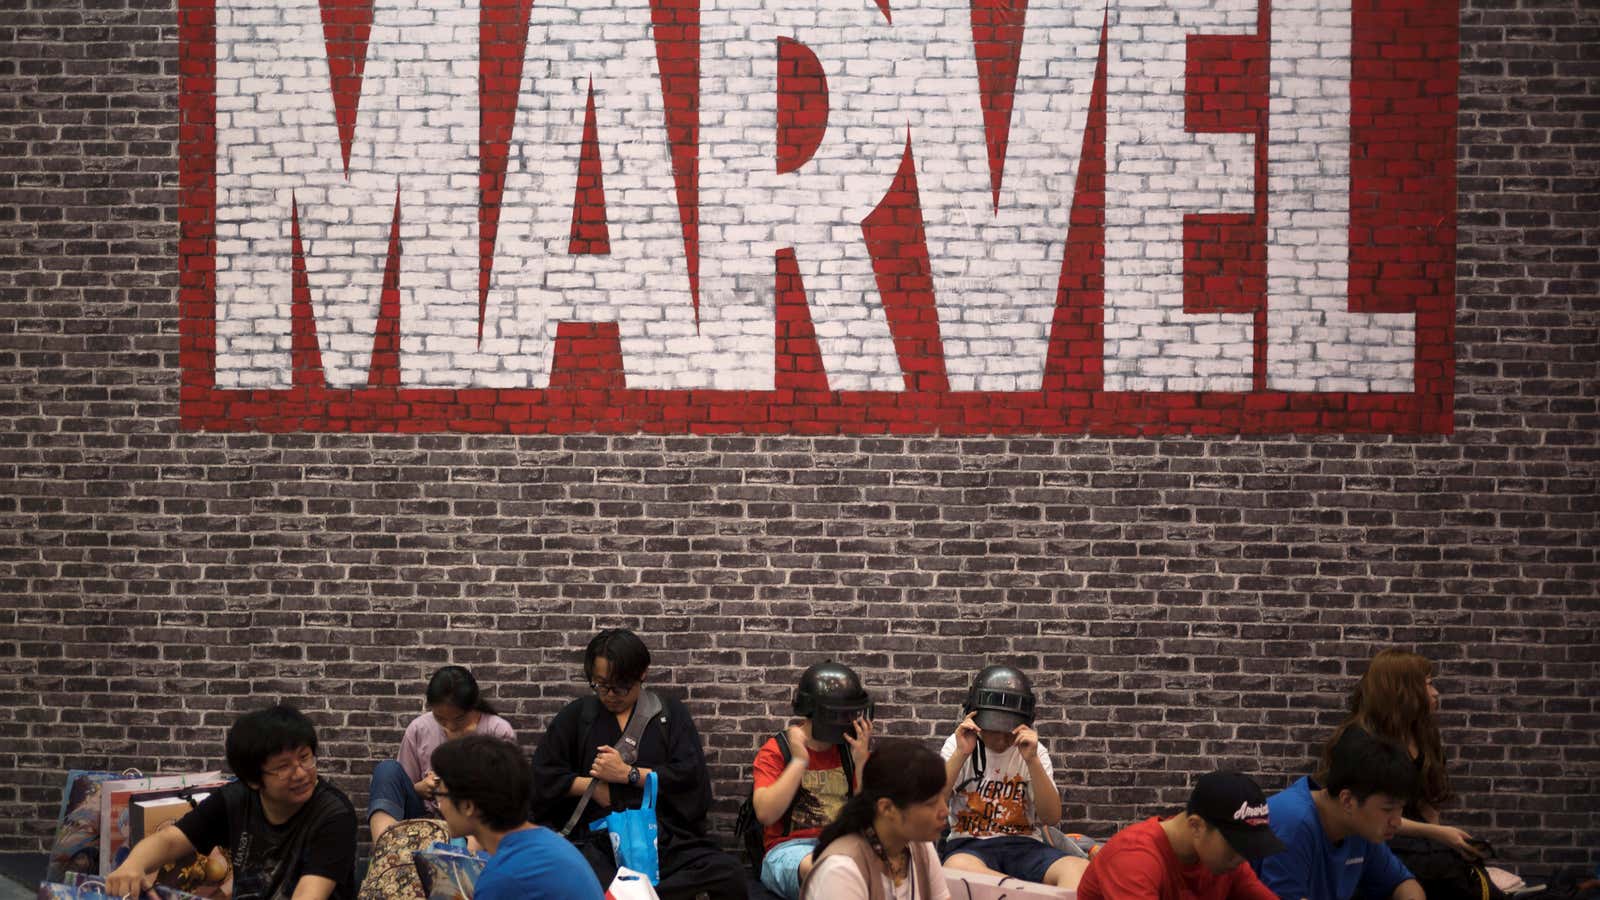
x=392, y=874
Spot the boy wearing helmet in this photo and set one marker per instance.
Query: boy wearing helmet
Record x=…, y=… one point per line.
x=801, y=785
x=1002, y=786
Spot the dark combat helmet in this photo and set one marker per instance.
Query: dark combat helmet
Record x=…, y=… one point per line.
x=831, y=696
x=1002, y=697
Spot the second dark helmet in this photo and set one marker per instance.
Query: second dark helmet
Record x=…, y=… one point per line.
x=1002, y=697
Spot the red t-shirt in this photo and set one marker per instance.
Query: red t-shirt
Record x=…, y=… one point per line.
x=823, y=790
x=1139, y=864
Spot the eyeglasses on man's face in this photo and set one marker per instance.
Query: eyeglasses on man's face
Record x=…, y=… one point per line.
x=305, y=762
x=612, y=688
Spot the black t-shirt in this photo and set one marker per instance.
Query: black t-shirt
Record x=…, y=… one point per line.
x=269, y=860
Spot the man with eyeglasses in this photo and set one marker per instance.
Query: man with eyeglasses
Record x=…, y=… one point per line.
x=484, y=795
x=580, y=748
x=290, y=834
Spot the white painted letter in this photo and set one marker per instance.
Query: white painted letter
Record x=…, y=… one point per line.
x=643, y=284
x=1314, y=343
x=1156, y=172
x=278, y=144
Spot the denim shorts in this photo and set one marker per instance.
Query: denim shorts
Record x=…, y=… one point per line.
x=1016, y=855
x=780, y=868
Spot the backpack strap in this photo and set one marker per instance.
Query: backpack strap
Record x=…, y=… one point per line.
x=647, y=707
x=846, y=762
x=788, y=812
x=980, y=762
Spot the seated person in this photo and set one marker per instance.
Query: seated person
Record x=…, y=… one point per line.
x=1002, y=786
x=403, y=788
x=1199, y=853
x=794, y=800
x=1397, y=700
x=882, y=843
x=580, y=748
x=289, y=833
x=1334, y=834
x=484, y=784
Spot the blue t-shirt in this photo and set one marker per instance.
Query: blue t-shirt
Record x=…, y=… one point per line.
x=1314, y=867
x=534, y=865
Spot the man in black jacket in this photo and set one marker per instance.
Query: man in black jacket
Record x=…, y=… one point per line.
x=581, y=748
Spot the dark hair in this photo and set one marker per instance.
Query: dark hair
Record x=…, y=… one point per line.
x=904, y=771
x=259, y=734
x=622, y=650
x=1391, y=701
x=489, y=771
x=456, y=686
x=1365, y=765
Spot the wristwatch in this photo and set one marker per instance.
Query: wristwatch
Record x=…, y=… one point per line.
x=633, y=777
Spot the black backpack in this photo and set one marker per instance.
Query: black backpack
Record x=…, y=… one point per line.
x=1442, y=872
x=749, y=828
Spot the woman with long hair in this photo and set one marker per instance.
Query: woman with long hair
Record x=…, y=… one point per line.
x=1396, y=699
x=881, y=845
x=403, y=788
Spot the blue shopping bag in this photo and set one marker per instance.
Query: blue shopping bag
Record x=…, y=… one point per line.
x=633, y=834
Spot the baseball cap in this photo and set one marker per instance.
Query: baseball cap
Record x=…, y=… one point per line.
x=1234, y=805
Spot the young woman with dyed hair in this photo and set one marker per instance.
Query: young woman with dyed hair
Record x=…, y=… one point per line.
x=1396, y=699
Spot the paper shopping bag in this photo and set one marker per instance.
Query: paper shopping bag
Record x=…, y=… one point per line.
x=116, y=819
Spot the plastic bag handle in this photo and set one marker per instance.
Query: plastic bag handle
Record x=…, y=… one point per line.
x=89, y=887
x=649, y=792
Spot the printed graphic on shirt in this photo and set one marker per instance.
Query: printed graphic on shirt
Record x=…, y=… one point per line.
x=258, y=867
x=996, y=807
x=822, y=792
x=821, y=796
x=997, y=801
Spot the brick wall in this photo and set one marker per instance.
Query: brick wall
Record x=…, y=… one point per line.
x=1183, y=601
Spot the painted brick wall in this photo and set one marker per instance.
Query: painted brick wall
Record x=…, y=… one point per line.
x=1184, y=600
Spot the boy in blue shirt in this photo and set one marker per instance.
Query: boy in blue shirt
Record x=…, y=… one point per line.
x=1334, y=835
x=485, y=784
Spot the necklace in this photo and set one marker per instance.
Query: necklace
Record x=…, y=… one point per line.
x=898, y=868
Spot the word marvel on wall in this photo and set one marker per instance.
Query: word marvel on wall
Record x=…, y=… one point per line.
x=828, y=216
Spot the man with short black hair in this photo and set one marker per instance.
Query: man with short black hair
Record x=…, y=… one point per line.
x=486, y=782
x=1199, y=853
x=291, y=835
x=583, y=748
x=1336, y=834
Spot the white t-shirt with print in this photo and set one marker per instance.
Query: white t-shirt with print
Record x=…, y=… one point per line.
x=998, y=801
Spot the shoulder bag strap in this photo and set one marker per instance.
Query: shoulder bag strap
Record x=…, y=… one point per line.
x=644, y=709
